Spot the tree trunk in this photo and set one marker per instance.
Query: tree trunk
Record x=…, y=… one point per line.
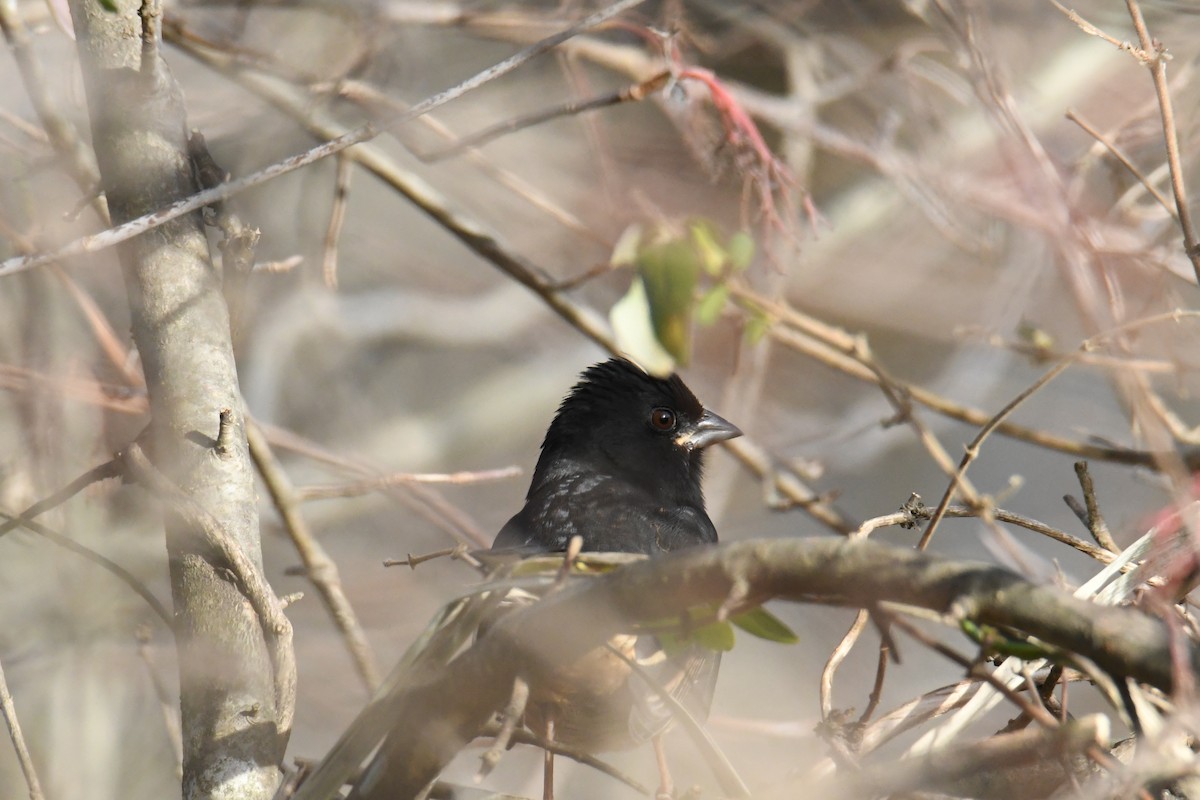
x=234, y=731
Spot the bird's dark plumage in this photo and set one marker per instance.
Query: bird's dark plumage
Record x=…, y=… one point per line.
x=613, y=474
x=621, y=467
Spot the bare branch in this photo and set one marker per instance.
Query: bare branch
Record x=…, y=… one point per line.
x=581, y=616
x=145, y=222
x=318, y=566
x=1093, y=519
x=1155, y=59
x=9, y=711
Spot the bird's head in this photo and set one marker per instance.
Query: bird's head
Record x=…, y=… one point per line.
x=623, y=422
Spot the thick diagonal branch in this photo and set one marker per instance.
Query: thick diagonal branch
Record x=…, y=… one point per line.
x=439, y=716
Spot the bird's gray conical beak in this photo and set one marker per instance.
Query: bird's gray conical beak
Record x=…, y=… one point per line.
x=709, y=429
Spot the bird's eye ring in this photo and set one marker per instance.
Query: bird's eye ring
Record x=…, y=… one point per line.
x=662, y=419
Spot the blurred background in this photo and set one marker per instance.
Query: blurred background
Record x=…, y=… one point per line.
x=931, y=196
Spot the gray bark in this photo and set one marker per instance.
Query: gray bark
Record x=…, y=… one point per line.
x=233, y=729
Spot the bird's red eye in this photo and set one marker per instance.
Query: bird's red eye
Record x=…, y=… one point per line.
x=662, y=419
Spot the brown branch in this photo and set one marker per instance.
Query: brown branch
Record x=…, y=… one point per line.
x=318, y=566
x=826, y=345
x=511, y=717
x=358, y=488
x=152, y=219
x=9, y=711
x=79, y=161
x=337, y=217
x=412, y=562
x=579, y=617
x=907, y=518
x=634, y=93
x=1018, y=764
x=1144, y=56
x=421, y=499
x=1157, y=64
x=1093, y=518
x=119, y=572
x=1126, y=162
x=972, y=450
x=109, y=469
x=491, y=246
x=835, y=660
x=886, y=656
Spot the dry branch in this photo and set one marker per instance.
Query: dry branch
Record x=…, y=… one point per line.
x=464, y=695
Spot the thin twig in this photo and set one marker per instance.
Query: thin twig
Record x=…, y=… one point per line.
x=1095, y=520
x=318, y=566
x=836, y=658
x=1119, y=155
x=903, y=518
x=1142, y=55
x=358, y=488
x=511, y=719
x=119, y=572
x=135, y=227
x=422, y=499
x=102, y=472
x=827, y=344
x=972, y=449
x=490, y=246
x=337, y=217
x=885, y=658
x=79, y=161
x=366, y=95
x=635, y=93
x=166, y=703
x=110, y=397
x=1158, y=72
x=9, y=710
x=412, y=562
x=525, y=736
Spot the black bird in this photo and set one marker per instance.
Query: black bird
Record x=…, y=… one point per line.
x=621, y=468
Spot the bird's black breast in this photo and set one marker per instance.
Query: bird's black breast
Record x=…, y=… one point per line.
x=611, y=515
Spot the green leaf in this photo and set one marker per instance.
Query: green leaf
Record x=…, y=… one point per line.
x=630, y=318
x=1034, y=335
x=741, y=250
x=765, y=625
x=708, y=310
x=712, y=255
x=669, y=271
x=992, y=640
x=625, y=251
x=109, y=5
x=757, y=327
x=717, y=636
